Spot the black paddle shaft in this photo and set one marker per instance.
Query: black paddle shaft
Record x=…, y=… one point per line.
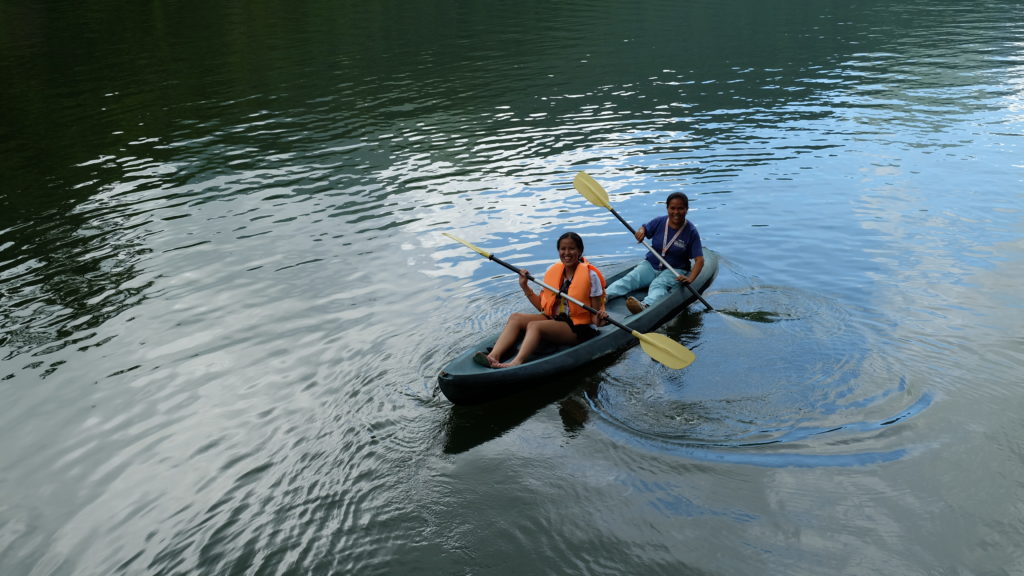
x=628, y=227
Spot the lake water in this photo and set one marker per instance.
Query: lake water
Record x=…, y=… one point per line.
x=225, y=295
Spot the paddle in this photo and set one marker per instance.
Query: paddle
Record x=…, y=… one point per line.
x=597, y=196
x=657, y=346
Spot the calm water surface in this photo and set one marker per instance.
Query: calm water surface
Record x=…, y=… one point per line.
x=225, y=294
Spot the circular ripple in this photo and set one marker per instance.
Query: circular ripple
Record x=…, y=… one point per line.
x=807, y=371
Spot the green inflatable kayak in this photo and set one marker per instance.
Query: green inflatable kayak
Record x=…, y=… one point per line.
x=463, y=381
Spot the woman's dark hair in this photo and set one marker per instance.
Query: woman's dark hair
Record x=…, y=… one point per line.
x=572, y=236
x=679, y=195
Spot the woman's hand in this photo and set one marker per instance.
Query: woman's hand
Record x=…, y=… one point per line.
x=602, y=318
x=641, y=234
x=524, y=278
x=530, y=295
x=683, y=279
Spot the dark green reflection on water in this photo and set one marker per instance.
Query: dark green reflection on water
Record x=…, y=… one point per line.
x=763, y=316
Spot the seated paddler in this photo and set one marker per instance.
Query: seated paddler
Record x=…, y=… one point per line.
x=558, y=321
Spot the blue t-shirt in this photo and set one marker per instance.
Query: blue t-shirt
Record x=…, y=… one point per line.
x=686, y=246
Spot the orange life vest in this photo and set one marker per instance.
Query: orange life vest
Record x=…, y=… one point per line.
x=578, y=289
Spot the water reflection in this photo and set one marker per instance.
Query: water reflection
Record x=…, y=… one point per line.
x=467, y=427
x=63, y=280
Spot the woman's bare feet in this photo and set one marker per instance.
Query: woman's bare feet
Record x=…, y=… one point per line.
x=485, y=360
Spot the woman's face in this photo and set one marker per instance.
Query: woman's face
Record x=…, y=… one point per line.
x=676, y=212
x=568, y=252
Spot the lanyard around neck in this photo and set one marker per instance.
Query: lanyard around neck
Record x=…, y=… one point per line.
x=666, y=243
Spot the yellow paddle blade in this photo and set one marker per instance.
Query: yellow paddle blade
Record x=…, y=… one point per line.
x=666, y=350
x=591, y=190
x=480, y=251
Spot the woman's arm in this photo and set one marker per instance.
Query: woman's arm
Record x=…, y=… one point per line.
x=698, y=265
x=597, y=303
x=597, y=298
x=532, y=296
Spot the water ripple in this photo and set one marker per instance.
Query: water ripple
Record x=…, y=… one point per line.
x=747, y=391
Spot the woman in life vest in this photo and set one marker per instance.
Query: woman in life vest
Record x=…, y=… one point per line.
x=559, y=321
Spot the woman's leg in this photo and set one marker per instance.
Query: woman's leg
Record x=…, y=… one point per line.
x=660, y=287
x=515, y=326
x=639, y=277
x=555, y=331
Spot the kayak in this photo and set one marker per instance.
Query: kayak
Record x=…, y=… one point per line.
x=463, y=381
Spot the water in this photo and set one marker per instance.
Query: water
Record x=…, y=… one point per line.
x=225, y=294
